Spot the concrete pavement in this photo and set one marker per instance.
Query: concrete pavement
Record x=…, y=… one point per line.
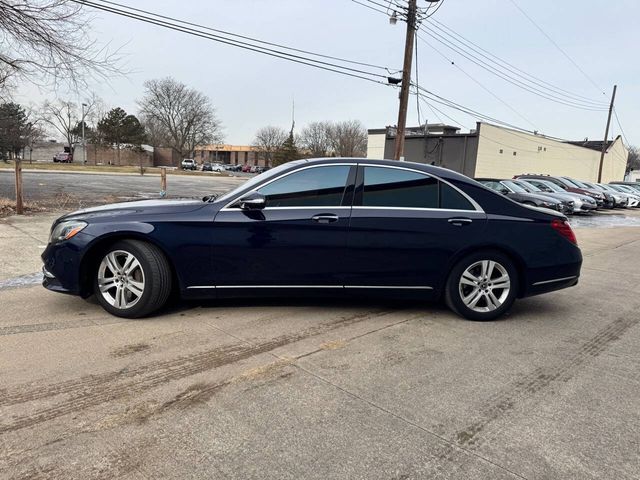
x=324, y=389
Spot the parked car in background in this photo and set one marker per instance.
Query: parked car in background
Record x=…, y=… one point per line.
x=63, y=157
x=609, y=201
x=232, y=168
x=338, y=226
x=634, y=185
x=632, y=193
x=520, y=195
x=207, y=167
x=564, y=197
x=581, y=203
x=189, y=164
x=217, y=167
x=620, y=200
x=246, y=168
x=566, y=185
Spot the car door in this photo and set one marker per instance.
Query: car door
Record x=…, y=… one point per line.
x=405, y=228
x=297, y=240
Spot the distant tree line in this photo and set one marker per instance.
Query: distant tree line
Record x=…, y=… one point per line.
x=318, y=139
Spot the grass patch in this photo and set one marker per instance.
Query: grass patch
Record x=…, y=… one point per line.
x=8, y=207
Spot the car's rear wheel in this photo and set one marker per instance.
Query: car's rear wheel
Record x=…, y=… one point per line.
x=133, y=279
x=482, y=286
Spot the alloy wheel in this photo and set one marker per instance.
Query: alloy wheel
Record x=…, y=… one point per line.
x=484, y=286
x=121, y=279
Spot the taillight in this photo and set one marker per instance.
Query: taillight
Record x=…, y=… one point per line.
x=564, y=229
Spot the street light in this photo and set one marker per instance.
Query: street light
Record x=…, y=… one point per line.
x=84, y=145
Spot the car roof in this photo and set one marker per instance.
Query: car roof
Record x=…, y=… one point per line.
x=430, y=169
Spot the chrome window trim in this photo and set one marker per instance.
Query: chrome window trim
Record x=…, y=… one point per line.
x=391, y=287
x=359, y=207
x=474, y=204
x=348, y=164
x=555, y=280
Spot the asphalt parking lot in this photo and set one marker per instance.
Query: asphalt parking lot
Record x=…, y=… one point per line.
x=75, y=190
x=323, y=389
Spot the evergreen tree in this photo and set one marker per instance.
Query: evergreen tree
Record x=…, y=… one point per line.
x=13, y=129
x=118, y=128
x=287, y=152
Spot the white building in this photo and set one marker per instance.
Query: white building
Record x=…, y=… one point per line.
x=493, y=151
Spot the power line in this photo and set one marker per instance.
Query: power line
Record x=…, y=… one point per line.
x=466, y=43
x=417, y=83
x=615, y=113
x=506, y=75
x=175, y=25
x=475, y=80
x=370, y=7
x=244, y=37
x=557, y=46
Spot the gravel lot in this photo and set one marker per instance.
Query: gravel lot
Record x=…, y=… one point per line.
x=322, y=389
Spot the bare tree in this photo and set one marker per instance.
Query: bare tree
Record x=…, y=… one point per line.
x=348, y=139
x=157, y=134
x=268, y=141
x=315, y=138
x=185, y=115
x=49, y=42
x=64, y=116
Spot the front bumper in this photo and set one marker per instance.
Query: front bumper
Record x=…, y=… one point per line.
x=62, y=265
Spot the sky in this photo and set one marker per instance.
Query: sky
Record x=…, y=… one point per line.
x=250, y=90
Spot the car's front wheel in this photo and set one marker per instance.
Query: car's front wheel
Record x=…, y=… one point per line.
x=482, y=286
x=133, y=279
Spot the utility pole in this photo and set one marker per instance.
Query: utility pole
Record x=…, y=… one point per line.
x=406, y=79
x=606, y=134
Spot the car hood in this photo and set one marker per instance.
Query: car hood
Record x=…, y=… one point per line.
x=134, y=208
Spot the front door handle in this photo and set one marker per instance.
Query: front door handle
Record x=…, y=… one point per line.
x=325, y=218
x=460, y=222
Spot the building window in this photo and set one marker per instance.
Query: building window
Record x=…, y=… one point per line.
x=501, y=150
x=514, y=154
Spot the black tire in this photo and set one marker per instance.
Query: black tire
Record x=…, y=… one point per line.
x=156, y=280
x=453, y=295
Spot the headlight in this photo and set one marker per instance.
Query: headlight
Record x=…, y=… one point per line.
x=66, y=230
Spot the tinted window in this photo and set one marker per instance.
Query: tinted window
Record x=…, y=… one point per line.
x=312, y=187
x=452, y=199
x=389, y=187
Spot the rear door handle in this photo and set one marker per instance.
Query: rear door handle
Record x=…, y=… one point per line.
x=459, y=222
x=325, y=218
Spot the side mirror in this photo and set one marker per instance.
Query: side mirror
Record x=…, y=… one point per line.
x=253, y=201
x=504, y=191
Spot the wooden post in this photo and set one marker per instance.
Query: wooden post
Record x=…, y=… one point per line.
x=19, y=203
x=163, y=182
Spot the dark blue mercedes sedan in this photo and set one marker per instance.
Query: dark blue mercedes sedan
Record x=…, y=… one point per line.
x=329, y=226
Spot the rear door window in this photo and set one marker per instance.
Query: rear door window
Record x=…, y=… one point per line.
x=397, y=188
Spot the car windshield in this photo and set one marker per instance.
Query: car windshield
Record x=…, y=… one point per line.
x=529, y=187
x=619, y=188
x=580, y=184
x=259, y=178
x=552, y=186
x=513, y=186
